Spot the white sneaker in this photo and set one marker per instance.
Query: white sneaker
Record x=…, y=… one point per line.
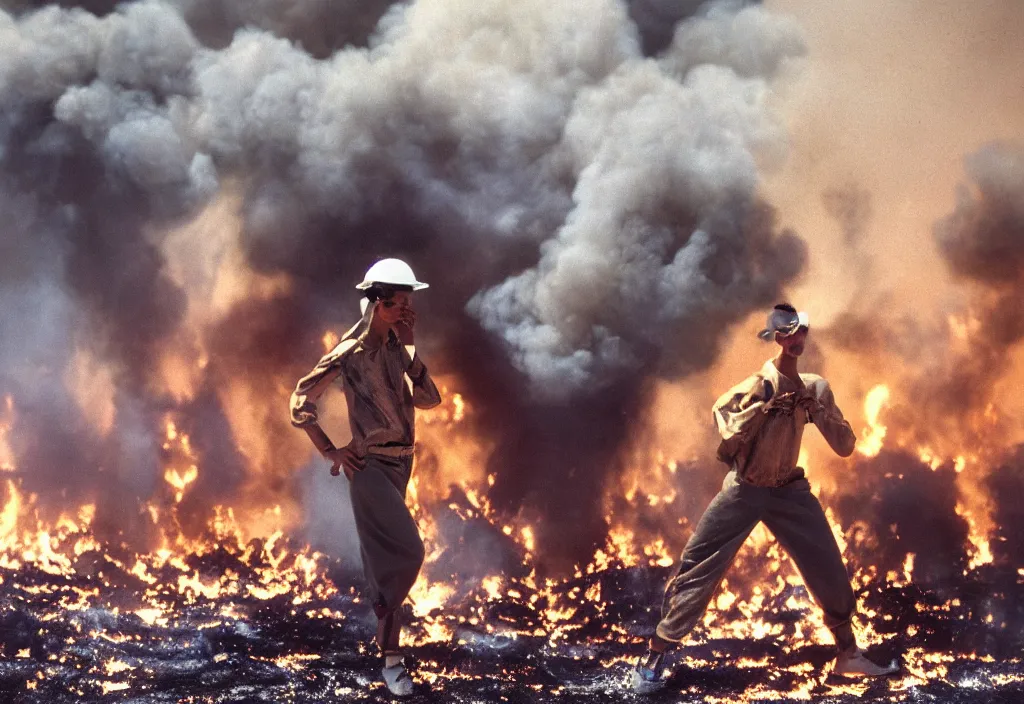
x=854, y=662
x=398, y=680
x=645, y=681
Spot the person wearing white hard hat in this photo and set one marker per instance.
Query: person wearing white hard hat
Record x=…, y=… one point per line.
x=372, y=362
x=761, y=422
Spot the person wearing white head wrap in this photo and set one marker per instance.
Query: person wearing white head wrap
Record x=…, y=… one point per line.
x=761, y=422
x=384, y=381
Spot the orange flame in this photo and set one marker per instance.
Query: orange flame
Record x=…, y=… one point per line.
x=872, y=436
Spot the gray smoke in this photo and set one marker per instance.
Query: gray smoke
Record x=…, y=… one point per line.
x=666, y=243
x=983, y=239
x=850, y=205
x=948, y=384
x=982, y=242
x=93, y=138
x=588, y=215
x=320, y=27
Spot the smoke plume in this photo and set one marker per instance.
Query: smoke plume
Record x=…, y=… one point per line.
x=983, y=239
x=190, y=191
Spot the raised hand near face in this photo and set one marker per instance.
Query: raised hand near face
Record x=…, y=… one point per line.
x=405, y=325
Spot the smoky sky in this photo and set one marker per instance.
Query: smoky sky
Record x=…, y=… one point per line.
x=947, y=381
x=982, y=243
x=850, y=205
x=983, y=239
x=581, y=194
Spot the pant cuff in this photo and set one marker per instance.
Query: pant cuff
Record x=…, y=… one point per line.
x=843, y=635
x=389, y=631
x=661, y=634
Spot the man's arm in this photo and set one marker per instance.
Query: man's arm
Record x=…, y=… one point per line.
x=305, y=415
x=739, y=414
x=830, y=421
x=304, y=412
x=424, y=391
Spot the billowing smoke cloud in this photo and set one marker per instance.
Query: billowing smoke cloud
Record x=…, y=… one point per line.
x=92, y=135
x=983, y=239
x=952, y=363
x=666, y=243
x=320, y=27
x=589, y=218
x=982, y=242
x=954, y=357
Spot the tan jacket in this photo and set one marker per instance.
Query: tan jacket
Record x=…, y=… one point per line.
x=762, y=443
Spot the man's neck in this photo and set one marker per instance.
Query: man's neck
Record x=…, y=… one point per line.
x=786, y=365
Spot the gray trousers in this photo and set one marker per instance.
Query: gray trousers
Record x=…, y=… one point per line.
x=794, y=515
x=389, y=539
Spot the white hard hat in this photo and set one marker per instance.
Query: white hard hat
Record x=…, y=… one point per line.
x=391, y=271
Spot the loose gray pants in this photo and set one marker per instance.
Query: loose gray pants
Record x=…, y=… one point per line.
x=794, y=515
x=389, y=540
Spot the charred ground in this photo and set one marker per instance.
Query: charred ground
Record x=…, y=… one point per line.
x=272, y=622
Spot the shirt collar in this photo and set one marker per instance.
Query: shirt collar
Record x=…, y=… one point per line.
x=772, y=374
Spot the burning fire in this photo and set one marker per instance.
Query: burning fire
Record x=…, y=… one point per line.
x=226, y=572
x=872, y=437
x=6, y=420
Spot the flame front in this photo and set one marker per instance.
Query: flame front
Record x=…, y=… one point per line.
x=221, y=580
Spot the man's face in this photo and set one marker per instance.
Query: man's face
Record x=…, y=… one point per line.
x=391, y=309
x=793, y=345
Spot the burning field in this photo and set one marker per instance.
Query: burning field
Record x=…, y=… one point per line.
x=605, y=203
x=219, y=617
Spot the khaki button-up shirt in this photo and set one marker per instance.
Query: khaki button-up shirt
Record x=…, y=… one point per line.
x=380, y=402
x=763, y=447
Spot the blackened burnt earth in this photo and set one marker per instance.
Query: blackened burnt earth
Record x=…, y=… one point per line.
x=77, y=638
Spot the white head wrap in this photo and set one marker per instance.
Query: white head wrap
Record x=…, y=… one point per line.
x=784, y=323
